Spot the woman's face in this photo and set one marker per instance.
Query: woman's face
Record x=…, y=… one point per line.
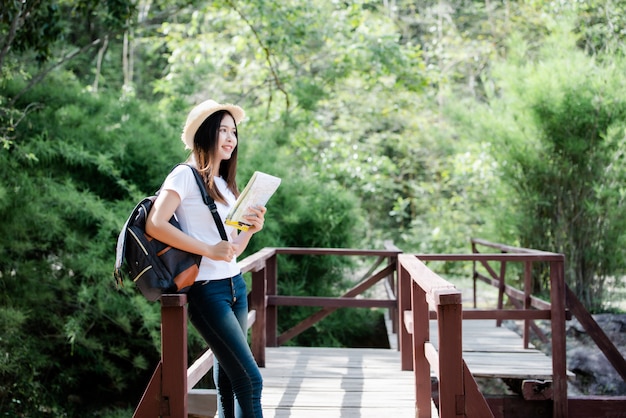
x=226, y=138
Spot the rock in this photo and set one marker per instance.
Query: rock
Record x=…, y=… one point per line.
x=594, y=373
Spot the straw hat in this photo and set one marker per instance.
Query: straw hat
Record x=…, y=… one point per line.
x=202, y=111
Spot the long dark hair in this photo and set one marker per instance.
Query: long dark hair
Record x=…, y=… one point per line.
x=204, y=151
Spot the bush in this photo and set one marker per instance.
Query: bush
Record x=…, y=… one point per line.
x=74, y=168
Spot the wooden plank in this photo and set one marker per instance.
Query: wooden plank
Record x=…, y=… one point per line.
x=489, y=257
x=510, y=365
x=374, y=413
x=202, y=403
x=174, y=354
x=329, y=303
x=497, y=352
x=536, y=390
x=483, y=335
x=336, y=382
x=597, y=406
x=256, y=261
x=317, y=382
x=502, y=314
x=199, y=368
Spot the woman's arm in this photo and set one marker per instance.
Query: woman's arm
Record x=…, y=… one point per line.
x=159, y=227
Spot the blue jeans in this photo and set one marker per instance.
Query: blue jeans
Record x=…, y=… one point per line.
x=219, y=311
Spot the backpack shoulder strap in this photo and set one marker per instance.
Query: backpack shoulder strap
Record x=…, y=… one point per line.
x=209, y=202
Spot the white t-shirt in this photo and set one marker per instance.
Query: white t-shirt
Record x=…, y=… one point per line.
x=196, y=220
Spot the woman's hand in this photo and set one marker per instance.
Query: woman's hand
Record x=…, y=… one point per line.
x=255, y=218
x=223, y=251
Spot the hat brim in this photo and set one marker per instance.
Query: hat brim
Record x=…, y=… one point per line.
x=202, y=111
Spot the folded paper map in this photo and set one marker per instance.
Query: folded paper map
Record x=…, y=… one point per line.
x=256, y=193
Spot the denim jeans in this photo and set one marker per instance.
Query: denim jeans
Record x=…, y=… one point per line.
x=219, y=311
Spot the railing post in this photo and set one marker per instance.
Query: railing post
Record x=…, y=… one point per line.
x=421, y=366
x=404, y=304
x=559, y=366
x=174, y=346
x=474, y=274
x=258, y=301
x=528, y=283
x=501, y=288
x=271, y=315
x=166, y=393
x=392, y=282
x=451, y=373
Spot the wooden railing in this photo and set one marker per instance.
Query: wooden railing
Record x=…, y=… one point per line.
x=430, y=284
x=265, y=300
x=585, y=405
x=416, y=294
x=170, y=390
x=458, y=392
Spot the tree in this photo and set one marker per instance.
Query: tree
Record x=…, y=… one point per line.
x=560, y=136
x=75, y=167
x=41, y=31
x=375, y=109
x=72, y=166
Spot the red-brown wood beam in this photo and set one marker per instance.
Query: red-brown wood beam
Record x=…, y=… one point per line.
x=559, y=369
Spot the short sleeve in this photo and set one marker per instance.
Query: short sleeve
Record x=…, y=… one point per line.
x=180, y=180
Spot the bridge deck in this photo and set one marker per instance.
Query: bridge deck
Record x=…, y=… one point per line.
x=304, y=382
x=498, y=352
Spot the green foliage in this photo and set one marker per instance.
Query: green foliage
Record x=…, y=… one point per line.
x=63, y=200
x=304, y=213
x=559, y=136
x=72, y=171
x=365, y=328
x=600, y=24
x=371, y=112
x=32, y=26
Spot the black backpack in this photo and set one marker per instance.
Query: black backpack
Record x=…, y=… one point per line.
x=155, y=267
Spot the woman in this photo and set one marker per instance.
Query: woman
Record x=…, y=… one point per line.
x=218, y=299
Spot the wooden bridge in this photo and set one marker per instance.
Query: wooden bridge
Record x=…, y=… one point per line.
x=439, y=347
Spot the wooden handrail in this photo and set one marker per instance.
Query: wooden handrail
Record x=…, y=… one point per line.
x=417, y=290
x=506, y=248
x=256, y=261
x=612, y=354
x=458, y=393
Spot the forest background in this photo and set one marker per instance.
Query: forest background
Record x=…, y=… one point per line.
x=425, y=123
